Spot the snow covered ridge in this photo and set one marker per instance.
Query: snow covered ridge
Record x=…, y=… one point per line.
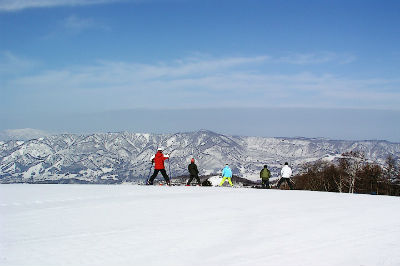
x=124, y=157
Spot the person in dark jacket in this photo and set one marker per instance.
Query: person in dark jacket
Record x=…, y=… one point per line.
x=158, y=160
x=194, y=172
x=265, y=174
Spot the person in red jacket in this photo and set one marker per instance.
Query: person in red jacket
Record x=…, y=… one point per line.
x=158, y=160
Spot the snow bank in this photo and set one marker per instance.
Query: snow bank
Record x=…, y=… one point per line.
x=146, y=225
x=215, y=180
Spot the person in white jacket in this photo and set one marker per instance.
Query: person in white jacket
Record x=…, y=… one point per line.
x=286, y=173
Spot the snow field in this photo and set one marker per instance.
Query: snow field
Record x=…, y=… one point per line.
x=159, y=225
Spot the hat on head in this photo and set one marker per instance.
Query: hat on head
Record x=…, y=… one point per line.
x=192, y=160
x=286, y=163
x=159, y=149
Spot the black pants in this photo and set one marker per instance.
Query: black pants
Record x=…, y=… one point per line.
x=287, y=181
x=265, y=183
x=164, y=174
x=191, y=178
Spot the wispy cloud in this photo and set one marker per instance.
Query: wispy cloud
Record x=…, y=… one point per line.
x=78, y=24
x=210, y=82
x=11, y=63
x=75, y=24
x=15, y=5
x=316, y=58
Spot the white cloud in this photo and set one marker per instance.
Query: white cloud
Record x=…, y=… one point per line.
x=11, y=63
x=316, y=58
x=14, y=5
x=75, y=24
x=78, y=24
x=210, y=82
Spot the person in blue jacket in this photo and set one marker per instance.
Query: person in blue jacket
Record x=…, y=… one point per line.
x=226, y=174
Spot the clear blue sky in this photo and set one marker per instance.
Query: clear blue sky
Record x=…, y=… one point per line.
x=85, y=58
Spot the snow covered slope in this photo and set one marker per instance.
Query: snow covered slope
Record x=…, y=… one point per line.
x=139, y=225
x=124, y=157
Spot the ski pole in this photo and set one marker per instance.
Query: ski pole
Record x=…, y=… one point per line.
x=169, y=163
x=169, y=168
x=279, y=179
x=148, y=176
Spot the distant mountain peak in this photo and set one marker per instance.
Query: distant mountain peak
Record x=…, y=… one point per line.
x=125, y=156
x=22, y=134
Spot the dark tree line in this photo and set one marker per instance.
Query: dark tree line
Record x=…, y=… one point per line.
x=352, y=173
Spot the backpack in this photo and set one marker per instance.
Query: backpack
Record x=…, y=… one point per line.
x=206, y=183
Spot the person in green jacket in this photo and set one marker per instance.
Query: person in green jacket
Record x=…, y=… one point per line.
x=265, y=174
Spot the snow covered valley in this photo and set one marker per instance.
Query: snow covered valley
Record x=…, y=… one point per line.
x=159, y=225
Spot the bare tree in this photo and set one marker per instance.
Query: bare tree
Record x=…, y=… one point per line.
x=352, y=174
x=352, y=162
x=391, y=168
x=392, y=175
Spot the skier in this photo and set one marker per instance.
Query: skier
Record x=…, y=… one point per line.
x=265, y=174
x=226, y=174
x=194, y=173
x=286, y=172
x=158, y=160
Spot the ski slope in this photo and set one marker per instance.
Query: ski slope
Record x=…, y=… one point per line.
x=143, y=225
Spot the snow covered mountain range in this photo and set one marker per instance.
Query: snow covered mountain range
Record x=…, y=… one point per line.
x=125, y=157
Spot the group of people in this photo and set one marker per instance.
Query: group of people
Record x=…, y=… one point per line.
x=159, y=158
x=286, y=173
